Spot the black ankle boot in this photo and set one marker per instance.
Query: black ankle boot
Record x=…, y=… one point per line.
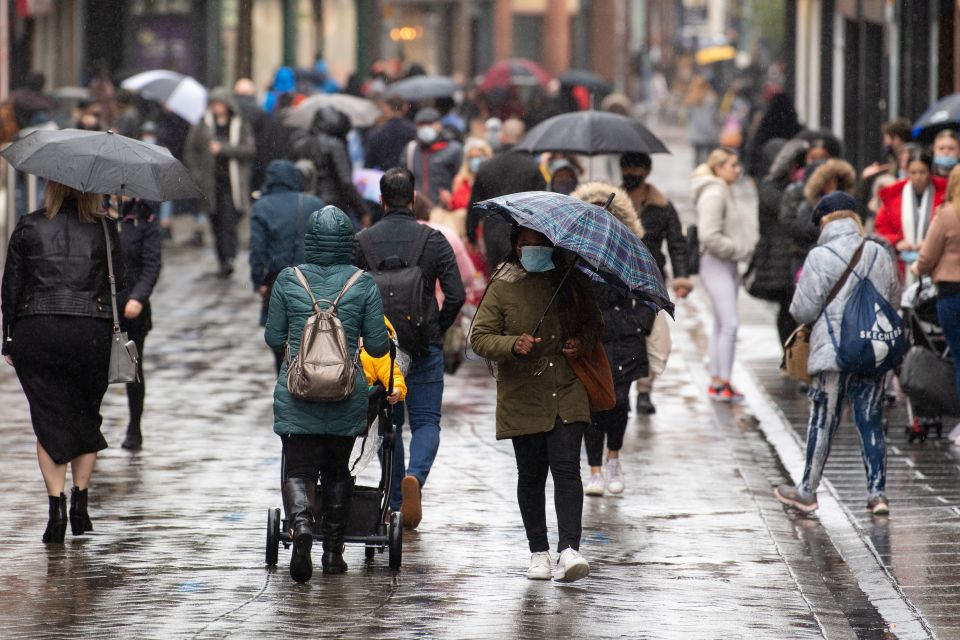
x=79, y=518
x=134, y=440
x=57, y=520
x=300, y=495
x=336, y=510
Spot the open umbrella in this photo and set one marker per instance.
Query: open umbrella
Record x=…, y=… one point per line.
x=606, y=248
x=716, y=53
x=584, y=78
x=942, y=114
x=361, y=112
x=514, y=72
x=179, y=93
x=102, y=162
x=591, y=133
x=420, y=88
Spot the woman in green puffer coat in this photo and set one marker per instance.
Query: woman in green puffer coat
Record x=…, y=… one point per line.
x=318, y=437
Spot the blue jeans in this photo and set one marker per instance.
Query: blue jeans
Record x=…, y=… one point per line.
x=424, y=398
x=948, y=313
x=827, y=394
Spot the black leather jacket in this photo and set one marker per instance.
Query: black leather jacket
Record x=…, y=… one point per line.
x=57, y=266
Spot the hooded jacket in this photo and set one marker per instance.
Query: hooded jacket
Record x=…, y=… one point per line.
x=727, y=231
x=328, y=249
x=279, y=222
x=839, y=238
x=434, y=166
x=238, y=149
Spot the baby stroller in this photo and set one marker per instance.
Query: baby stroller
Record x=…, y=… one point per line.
x=927, y=373
x=370, y=521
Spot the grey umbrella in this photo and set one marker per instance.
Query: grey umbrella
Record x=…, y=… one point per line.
x=420, y=88
x=361, y=112
x=102, y=162
x=591, y=133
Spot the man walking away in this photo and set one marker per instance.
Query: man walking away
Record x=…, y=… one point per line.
x=386, y=143
x=407, y=260
x=507, y=172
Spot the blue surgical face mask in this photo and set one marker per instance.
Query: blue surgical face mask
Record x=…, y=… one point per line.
x=474, y=164
x=946, y=162
x=537, y=259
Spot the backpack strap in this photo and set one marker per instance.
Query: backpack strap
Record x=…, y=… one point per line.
x=350, y=282
x=419, y=243
x=306, y=285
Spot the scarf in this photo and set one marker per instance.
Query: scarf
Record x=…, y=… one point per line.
x=915, y=220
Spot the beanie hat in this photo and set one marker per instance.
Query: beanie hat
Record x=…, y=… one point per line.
x=831, y=203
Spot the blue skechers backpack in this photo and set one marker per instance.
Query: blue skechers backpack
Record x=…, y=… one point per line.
x=871, y=338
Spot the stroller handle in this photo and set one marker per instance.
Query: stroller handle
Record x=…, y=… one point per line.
x=393, y=359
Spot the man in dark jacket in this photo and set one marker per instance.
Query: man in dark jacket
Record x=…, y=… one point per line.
x=660, y=224
x=507, y=172
x=392, y=240
x=245, y=94
x=386, y=143
x=277, y=226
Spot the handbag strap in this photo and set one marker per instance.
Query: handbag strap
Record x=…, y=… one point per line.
x=112, y=278
x=843, y=279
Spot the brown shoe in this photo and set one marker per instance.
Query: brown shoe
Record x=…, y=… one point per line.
x=410, y=507
x=879, y=506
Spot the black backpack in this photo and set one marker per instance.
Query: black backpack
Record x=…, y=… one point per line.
x=408, y=300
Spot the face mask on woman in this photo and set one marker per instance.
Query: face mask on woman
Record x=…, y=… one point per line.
x=474, y=164
x=631, y=182
x=944, y=162
x=536, y=259
x=426, y=134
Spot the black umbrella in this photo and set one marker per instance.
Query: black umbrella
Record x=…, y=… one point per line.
x=420, y=88
x=584, y=78
x=102, y=162
x=942, y=114
x=591, y=133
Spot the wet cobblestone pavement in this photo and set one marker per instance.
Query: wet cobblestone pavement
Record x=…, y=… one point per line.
x=697, y=547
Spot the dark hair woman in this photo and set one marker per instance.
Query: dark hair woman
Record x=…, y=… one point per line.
x=541, y=404
x=56, y=334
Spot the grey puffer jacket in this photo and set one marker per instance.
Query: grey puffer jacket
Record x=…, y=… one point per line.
x=822, y=270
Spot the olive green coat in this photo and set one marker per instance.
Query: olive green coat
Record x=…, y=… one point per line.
x=528, y=403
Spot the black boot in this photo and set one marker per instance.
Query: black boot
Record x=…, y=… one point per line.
x=336, y=510
x=57, y=520
x=645, y=404
x=134, y=439
x=300, y=495
x=79, y=518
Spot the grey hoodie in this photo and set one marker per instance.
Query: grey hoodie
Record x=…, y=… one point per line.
x=822, y=270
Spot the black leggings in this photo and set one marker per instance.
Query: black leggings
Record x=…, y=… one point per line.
x=558, y=451
x=310, y=457
x=612, y=424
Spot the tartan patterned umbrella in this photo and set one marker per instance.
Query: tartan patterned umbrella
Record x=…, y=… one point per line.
x=608, y=250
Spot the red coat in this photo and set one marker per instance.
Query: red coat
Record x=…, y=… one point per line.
x=888, y=223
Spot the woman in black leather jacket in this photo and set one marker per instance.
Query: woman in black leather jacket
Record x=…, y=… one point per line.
x=55, y=301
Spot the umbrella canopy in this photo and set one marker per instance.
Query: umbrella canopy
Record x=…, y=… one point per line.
x=584, y=78
x=102, y=162
x=606, y=247
x=420, y=88
x=362, y=113
x=515, y=71
x=179, y=93
x=718, y=53
x=942, y=114
x=591, y=133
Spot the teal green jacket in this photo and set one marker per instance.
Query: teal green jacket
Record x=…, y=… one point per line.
x=328, y=248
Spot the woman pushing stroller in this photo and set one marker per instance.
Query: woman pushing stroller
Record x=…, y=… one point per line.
x=318, y=437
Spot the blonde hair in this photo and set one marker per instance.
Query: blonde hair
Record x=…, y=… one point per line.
x=953, y=188
x=464, y=173
x=55, y=194
x=719, y=156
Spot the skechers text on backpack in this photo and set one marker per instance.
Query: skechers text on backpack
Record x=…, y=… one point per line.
x=323, y=369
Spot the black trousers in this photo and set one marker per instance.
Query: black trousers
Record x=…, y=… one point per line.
x=224, y=223
x=611, y=424
x=785, y=322
x=556, y=451
x=310, y=457
x=136, y=391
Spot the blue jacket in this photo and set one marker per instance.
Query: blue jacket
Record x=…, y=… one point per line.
x=277, y=216
x=329, y=248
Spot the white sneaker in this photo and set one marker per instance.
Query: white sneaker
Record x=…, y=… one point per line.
x=614, y=475
x=595, y=485
x=570, y=566
x=540, y=566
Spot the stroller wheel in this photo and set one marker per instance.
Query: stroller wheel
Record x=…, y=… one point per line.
x=396, y=540
x=369, y=552
x=273, y=536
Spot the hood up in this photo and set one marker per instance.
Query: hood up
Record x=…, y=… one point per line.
x=329, y=238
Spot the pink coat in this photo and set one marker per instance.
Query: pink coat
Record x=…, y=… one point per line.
x=473, y=280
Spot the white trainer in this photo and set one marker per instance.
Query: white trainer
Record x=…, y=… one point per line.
x=570, y=566
x=595, y=485
x=614, y=475
x=540, y=566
